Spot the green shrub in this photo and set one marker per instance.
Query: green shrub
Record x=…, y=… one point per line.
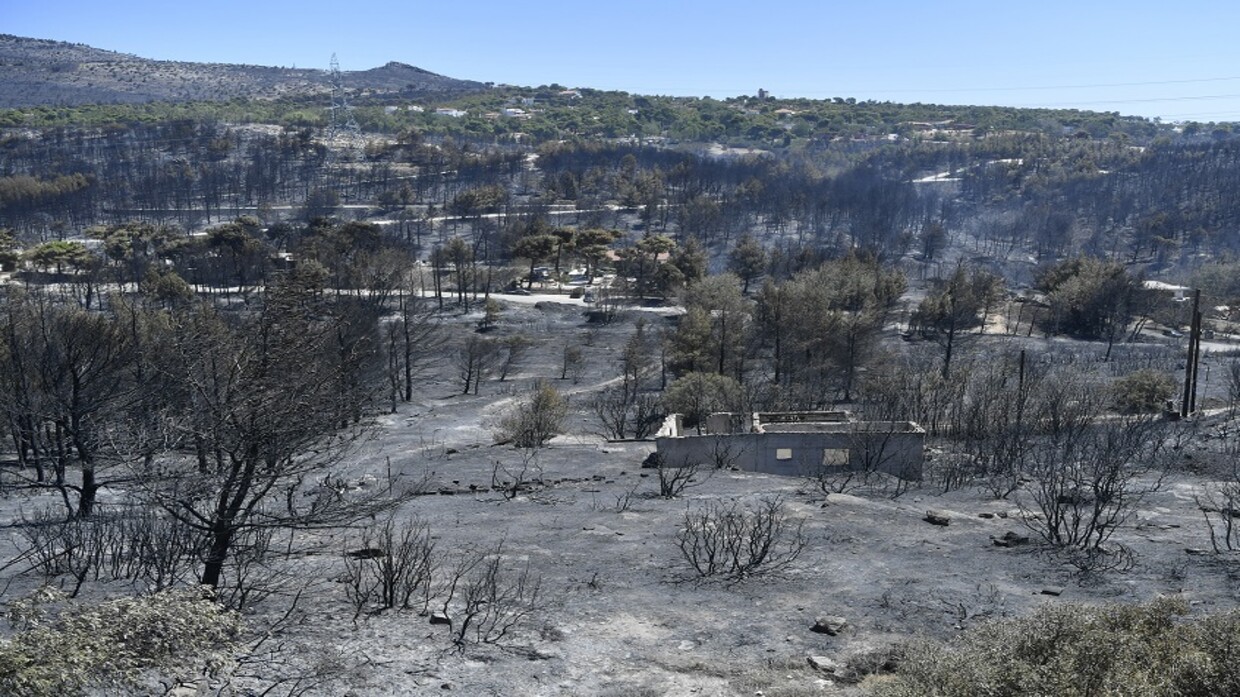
x=112, y=644
x=536, y=419
x=1075, y=650
x=698, y=395
x=1143, y=392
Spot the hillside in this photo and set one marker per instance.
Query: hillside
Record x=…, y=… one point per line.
x=40, y=72
x=394, y=394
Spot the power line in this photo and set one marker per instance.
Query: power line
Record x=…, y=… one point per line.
x=1233, y=112
x=1009, y=88
x=698, y=89
x=1144, y=100
x=891, y=94
x=886, y=95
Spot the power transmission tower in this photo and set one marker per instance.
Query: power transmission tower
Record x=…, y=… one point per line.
x=343, y=129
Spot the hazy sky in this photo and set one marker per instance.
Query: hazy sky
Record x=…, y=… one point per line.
x=1176, y=60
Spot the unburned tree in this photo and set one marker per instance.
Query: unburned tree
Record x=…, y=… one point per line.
x=698, y=395
x=713, y=333
x=491, y=311
x=645, y=263
x=536, y=248
x=825, y=325
x=747, y=260
x=1092, y=299
x=536, y=419
x=958, y=304
x=59, y=255
x=592, y=245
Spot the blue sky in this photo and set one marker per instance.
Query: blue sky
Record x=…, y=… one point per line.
x=1172, y=60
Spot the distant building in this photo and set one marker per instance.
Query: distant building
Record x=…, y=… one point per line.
x=1178, y=293
x=796, y=443
x=763, y=94
x=454, y=113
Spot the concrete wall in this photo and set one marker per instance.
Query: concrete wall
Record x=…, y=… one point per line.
x=802, y=454
x=672, y=427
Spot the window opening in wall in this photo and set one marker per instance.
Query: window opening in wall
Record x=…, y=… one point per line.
x=835, y=457
x=783, y=453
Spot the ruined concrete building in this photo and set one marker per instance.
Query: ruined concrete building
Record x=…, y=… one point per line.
x=802, y=443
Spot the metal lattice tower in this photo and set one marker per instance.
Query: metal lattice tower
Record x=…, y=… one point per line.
x=343, y=125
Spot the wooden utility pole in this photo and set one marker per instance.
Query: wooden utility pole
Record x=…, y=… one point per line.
x=1022, y=369
x=1192, y=401
x=1190, y=365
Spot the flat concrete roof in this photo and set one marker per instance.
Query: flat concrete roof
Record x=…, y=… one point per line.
x=845, y=427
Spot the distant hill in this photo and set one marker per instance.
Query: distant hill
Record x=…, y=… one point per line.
x=40, y=72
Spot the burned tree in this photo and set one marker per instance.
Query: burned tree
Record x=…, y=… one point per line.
x=66, y=374
x=475, y=360
x=1089, y=471
x=262, y=409
x=412, y=342
x=627, y=409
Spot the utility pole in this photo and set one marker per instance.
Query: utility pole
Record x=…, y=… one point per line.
x=1189, y=400
x=1022, y=370
x=1192, y=402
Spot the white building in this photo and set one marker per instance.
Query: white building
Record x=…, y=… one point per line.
x=1178, y=293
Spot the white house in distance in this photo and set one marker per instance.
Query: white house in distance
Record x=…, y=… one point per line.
x=454, y=113
x=1177, y=293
